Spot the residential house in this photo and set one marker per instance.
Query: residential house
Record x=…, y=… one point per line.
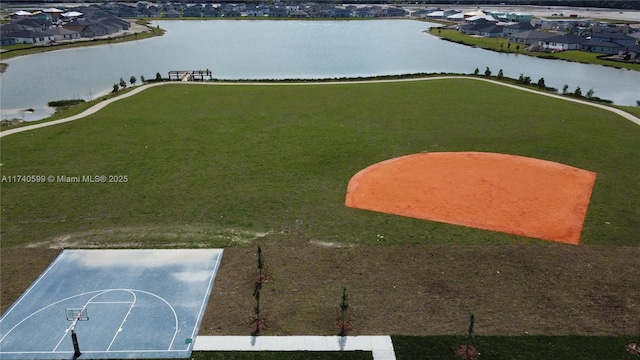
x=278, y=12
x=530, y=37
x=562, y=42
x=614, y=37
x=29, y=37
x=396, y=12
x=212, y=12
x=193, y=11
x=601, y=47
x=299, y=14
x=475, y=28
x=519, y=17
x=516, y=28
x=492, y=31
x=322, y=14
x=15, y=27
x=364, y=12
x=340, y=13
x=62, y=34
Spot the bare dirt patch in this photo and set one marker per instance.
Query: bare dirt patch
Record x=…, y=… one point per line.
x=429, y=290
x=499, y=192
x=547, y=289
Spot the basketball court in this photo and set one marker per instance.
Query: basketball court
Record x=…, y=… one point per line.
x=112, y=304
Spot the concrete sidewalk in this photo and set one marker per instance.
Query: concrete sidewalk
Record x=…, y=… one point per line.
x=380, y=346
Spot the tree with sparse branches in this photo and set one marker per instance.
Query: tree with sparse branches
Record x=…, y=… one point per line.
x=158, y=77
x=343, y=323
x=123, y=84
x=590, y=94
x=565, y=88
x=470, y=334
x=487, y=72
x=500, y=74
x=258, y=323
x=116, y=87
x=132, y=80
x=476, y=71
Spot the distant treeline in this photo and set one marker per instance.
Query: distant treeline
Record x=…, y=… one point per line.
x=613, y=4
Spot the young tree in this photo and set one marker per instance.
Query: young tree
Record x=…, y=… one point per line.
x=565, y=89
x=487, y=72
x=527, y=80
x=133, y=80
x=500, y=74
x=521, y=79
x=578, y=92
x=158, y=77
x=476, y=71
x=123, y=84
x=590, y=94
x=142, y=79
x=343, y=324
x=541, y=84
x=116, y=87
x=258, y=322
x=470, y=334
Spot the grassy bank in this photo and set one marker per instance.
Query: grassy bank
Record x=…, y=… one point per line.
x=503, y=45
x=27, y=49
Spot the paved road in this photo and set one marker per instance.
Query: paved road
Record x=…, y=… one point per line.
x=135, y=91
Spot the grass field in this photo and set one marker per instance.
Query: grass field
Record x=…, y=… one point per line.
x=236, y=166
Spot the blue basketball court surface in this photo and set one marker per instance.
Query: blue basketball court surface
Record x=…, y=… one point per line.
x=137, y=304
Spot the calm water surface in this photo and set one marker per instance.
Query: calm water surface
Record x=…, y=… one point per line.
x=239, y=49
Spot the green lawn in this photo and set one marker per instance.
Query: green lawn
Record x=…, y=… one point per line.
x=515, y=347
x=217, y=164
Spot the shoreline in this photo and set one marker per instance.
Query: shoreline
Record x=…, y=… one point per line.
x=100, y=105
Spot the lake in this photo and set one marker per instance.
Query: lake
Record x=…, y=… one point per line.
x=294, y=49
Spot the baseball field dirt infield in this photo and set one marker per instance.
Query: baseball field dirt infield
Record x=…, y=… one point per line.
x=499, y=192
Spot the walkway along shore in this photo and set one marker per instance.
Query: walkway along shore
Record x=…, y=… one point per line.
x=137, y=90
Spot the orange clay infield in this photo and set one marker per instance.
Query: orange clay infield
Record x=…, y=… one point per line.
x=507, y=193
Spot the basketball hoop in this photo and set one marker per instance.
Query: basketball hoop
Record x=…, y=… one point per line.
x=75, y=315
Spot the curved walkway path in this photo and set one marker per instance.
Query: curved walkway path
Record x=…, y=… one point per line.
x=135, y=91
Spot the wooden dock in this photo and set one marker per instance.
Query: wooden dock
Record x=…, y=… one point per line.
x=190, y=75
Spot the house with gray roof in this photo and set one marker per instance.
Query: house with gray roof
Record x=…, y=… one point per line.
x=516, y=28
x=62, y=34
x=529, y=37
x=562, y=42
x=28, y=37
x=614, y=37
x=601, y=47
x=492, y=31
x=340, y=13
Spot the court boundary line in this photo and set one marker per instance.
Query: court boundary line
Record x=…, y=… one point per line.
x=207, y=294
